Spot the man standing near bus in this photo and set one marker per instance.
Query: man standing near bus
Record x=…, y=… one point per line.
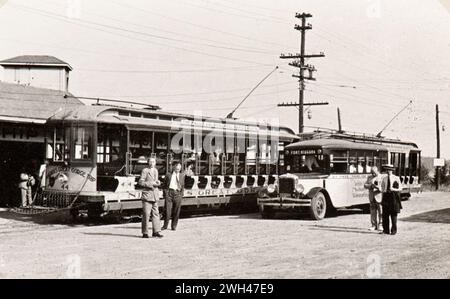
x=174, y=194
x=373, y=184
x=390, y=186
x=150, y=195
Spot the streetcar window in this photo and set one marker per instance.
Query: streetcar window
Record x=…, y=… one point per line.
x=229, y=142
x=62, y=142
x=108, y=145
x=264, y=149
x=140, y=143
x=413, y=164
x=161, y=148
x=82, y=140
x=252, y=151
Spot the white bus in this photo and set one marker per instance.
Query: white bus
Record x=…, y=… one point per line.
x=327, y=170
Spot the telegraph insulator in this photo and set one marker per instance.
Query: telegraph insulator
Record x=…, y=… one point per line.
x=309, y=114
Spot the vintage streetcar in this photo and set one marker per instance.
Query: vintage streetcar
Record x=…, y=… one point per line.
x=327, y=170
x=96, y=154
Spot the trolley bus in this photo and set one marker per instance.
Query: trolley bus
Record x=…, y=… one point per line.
x=327, y=170
x=96, y=154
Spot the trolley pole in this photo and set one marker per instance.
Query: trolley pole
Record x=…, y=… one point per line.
x=339, y=120
x=438, y=149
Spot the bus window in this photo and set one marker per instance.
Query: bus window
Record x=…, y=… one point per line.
x=361, y=164
x=306, y=164
x=353, y=162
x=339, y=162
x=369, y=163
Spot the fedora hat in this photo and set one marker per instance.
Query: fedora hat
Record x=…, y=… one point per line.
x=388, y=167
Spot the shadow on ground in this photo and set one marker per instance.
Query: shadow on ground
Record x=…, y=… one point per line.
x=437, y=216
x=61, y=217
x=286, y=215
x=343, y=229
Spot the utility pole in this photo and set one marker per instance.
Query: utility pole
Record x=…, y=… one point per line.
x=438, y=149
x=299, y=62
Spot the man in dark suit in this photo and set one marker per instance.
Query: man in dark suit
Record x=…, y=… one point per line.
x=149, y=182
x=391, y=187
x=174, y=183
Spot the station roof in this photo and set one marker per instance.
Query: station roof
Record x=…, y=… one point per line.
x=21, y=103
x=35, y=60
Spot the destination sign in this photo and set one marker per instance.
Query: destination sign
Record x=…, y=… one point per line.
x=304, y=152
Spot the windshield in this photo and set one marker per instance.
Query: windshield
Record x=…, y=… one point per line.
x=311, y=163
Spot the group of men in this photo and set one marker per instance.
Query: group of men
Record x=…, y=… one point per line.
x=384, y=197
x=174, y=187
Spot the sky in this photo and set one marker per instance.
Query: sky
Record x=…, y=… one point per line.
x=193, y=56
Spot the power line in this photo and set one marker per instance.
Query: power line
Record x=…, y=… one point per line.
x=237, y=68
x=251, y=16
x=63, y=19
x=164, y=95
x=208, y=28
x=226, y=47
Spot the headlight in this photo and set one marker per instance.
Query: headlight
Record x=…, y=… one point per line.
x=271, y=188
x=299, y=188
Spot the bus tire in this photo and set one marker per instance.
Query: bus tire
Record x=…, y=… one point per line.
x=318, y=206
x=74, y=213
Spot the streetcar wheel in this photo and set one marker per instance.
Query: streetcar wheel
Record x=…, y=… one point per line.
x=318, y=206
x=267, y=213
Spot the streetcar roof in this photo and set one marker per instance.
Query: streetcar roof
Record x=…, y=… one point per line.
x=144, y=119
x=336, y=144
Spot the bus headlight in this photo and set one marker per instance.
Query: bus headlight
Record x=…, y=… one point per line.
x=299, y=188
x=271, y=189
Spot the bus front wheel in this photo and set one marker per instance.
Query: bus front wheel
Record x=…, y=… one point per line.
x=318, y=206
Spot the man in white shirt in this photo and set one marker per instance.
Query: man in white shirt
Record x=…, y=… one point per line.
x=174, y=195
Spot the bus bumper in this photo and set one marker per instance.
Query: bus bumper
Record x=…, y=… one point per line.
x=283, y=202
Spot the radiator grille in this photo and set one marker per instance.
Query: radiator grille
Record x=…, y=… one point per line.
x=286, y=185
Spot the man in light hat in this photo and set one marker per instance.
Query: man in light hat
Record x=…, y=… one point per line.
x=150, y=195
x=390, y=186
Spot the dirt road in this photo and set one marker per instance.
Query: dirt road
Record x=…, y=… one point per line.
x=236, y=246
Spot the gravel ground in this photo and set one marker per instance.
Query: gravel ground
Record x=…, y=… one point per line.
x=233, y=246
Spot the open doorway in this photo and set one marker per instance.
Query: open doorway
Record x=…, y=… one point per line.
x=16, y=157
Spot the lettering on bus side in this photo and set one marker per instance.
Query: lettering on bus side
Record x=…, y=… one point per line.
x=358, y=189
